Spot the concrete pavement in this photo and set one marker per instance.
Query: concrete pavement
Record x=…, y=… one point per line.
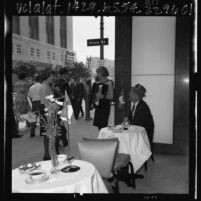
x=28, y=149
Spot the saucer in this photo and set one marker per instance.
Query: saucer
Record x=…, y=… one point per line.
x=24, y=169
x=40, y=181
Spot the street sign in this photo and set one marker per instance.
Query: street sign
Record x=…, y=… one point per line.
x=97, y=42
x=101, y=62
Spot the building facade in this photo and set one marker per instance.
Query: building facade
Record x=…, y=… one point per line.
x=43, y=40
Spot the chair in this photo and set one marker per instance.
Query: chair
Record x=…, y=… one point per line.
x=121, y=166
x=121, y=169
x=101, y=153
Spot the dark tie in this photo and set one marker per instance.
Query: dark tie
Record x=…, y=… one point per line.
x=133, y=111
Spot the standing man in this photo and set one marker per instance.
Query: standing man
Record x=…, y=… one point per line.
x=79, y=95
x=34, y=100
x=72, y=85
x=87, y=95
x=140, y=114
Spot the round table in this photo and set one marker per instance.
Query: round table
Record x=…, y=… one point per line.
x=86, y=180
x=133, y=141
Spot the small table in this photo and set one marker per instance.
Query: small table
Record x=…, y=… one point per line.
x=133, y=141
x=85, y=180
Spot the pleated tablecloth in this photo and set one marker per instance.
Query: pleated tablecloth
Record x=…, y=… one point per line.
x=86, y=180
x=133, y=141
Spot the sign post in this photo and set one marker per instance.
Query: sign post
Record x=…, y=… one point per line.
x=99, y=42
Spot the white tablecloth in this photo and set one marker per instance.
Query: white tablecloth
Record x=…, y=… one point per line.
x=86, y=180
x=133, y=142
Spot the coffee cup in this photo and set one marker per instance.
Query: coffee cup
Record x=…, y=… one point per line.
x=36, y=175
x=61, y=158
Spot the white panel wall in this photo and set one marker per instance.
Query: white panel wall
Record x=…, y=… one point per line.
x=159, y=97
x=153, y=58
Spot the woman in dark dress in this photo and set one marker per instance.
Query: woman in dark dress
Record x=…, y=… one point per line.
x=103, y=96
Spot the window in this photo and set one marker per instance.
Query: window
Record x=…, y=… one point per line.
x=62, y=57
x=32, y=51
x=33, y=27
x=50, y=29
x=53, y=55
x=38, y=52
x=19, y=50
x=16, y=24
x=48, y=54
x=63, y=31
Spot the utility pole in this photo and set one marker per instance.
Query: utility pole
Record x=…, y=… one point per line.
x=101, y=37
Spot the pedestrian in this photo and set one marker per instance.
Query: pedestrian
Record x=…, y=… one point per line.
x=53, y=84
x=15, y=130
x=72, y=85
x=103, y=98
x=34, y=96
x=45, y=91
x=63, y=84
x=87, y=95
x=79, y=95
x=21, y=104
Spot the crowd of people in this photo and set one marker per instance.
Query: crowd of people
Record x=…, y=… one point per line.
x=32, y=98
x=97, y=95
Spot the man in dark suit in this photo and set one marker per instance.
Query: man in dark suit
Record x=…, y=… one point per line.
x=140, y=114
x=78, y=96
x=62, y=84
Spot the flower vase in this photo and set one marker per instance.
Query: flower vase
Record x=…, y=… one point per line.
x=53, y=155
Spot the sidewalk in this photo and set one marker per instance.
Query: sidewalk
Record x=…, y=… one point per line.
x=28, y=149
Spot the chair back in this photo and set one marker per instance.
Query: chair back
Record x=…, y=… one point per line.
x=101, y=153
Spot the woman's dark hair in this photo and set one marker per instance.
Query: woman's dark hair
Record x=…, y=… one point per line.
x=44, y=76
x=52, y=72
x=22, y=76
x=103, y=70
x=37, y=78
x=63, y=71
x=97, y=79
x=88, y=82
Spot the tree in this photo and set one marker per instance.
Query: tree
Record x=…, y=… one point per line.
x=79, y=70
x=25, y=67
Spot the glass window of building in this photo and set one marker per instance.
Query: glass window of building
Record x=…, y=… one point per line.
x=16, y=24
x=53, y=55
x=19, y=50
x=63, y=31
x=48, y=54
x=33, y=27
x=38, y=52
x=32, y=51
x=50, y=29
x=62, y=57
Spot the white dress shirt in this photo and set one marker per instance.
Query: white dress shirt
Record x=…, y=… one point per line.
x=133, y=113
x=34, y=92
